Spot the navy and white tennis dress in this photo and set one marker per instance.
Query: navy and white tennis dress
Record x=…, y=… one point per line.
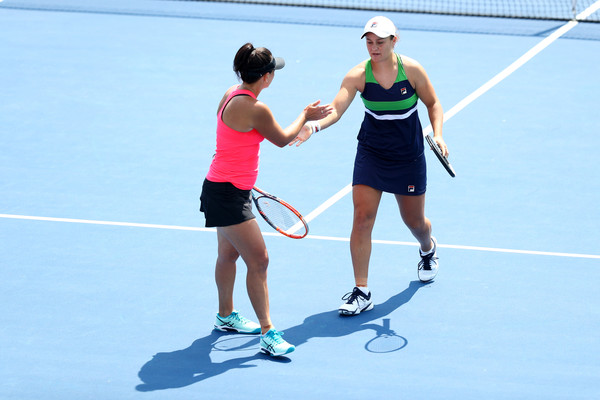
x=390, y=155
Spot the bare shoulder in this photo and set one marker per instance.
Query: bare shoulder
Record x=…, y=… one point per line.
x=411, y=64
x=358, y=71
x=257, y=105
x=259, y=110
x=355, y=78
x=414, y=71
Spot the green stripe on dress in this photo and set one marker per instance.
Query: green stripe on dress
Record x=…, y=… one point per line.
x=370, y=78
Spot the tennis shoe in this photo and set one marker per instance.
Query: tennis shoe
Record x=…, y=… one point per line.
x=273, y=344
x=427, y=268
x=356, y=302
x=236, y=323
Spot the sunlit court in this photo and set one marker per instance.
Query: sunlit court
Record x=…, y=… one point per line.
x=108, y=114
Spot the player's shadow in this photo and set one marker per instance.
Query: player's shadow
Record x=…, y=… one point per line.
x=185, y=367
x=180, y=368
x=330, y=324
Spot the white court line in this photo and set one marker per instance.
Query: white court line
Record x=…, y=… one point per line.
x=483, y=89
x=332, y=200
x=461, y=247
x=112, y=223
x=315, y=237
x=589, y=11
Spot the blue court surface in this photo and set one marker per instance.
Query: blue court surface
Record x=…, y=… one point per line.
x=107, y=129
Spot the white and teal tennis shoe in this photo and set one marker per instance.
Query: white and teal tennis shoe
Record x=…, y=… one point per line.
x=273, y=344
x=236, y=323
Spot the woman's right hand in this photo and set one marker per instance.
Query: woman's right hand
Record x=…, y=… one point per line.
x=315, y=112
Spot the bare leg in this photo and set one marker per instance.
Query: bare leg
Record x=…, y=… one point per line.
x=247, y=240
x=225, y=271
x=412, y=210
x=366, y=202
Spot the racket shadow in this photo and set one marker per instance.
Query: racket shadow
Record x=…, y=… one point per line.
x=386, y=341
x=330, y=324
x=180, y=368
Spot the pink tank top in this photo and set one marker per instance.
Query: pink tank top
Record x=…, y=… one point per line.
x=237, y=155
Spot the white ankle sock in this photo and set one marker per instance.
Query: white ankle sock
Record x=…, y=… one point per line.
x=364, y=289
x=424, y=253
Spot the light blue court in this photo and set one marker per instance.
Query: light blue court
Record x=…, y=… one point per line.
x=107, y=128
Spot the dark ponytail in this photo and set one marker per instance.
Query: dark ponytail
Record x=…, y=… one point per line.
x=250, y=63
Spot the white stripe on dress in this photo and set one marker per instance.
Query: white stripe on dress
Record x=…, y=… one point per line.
x=389, y=117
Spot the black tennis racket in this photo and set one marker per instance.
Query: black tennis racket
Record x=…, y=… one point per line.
x=284, y=218
x=440, y=156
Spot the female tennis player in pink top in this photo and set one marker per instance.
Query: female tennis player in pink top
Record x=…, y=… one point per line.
x=243, y=122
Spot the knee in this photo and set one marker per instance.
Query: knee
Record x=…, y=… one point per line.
x=227, y=257
x=263, y=261
x=363, y=220
x=259, y=263
x=415, y=223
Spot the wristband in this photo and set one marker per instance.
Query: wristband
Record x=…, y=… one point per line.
x=315, y=126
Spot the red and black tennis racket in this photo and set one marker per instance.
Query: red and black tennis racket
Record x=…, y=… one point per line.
x=284, y=218
x=440, y=156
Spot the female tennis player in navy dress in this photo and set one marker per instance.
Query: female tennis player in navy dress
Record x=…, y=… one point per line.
x=390, y=155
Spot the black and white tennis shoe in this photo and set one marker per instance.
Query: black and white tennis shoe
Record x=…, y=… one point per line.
x=356, y=302
x=427, y=268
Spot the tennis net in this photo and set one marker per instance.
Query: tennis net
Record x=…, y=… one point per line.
x=534, y=9
x=438, y=15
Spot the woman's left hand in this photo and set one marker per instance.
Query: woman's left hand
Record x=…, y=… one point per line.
x=442, y=145
x=303, y=136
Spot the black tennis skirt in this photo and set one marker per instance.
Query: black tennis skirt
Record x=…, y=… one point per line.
x=407, y=178
x=223, y=204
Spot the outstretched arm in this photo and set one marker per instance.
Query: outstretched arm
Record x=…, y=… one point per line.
x=265, y=123
x=353, y=82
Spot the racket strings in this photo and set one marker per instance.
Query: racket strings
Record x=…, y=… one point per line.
x=281, y=216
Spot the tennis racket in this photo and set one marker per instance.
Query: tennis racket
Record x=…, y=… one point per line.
x=440, y=156
x=284, y=218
